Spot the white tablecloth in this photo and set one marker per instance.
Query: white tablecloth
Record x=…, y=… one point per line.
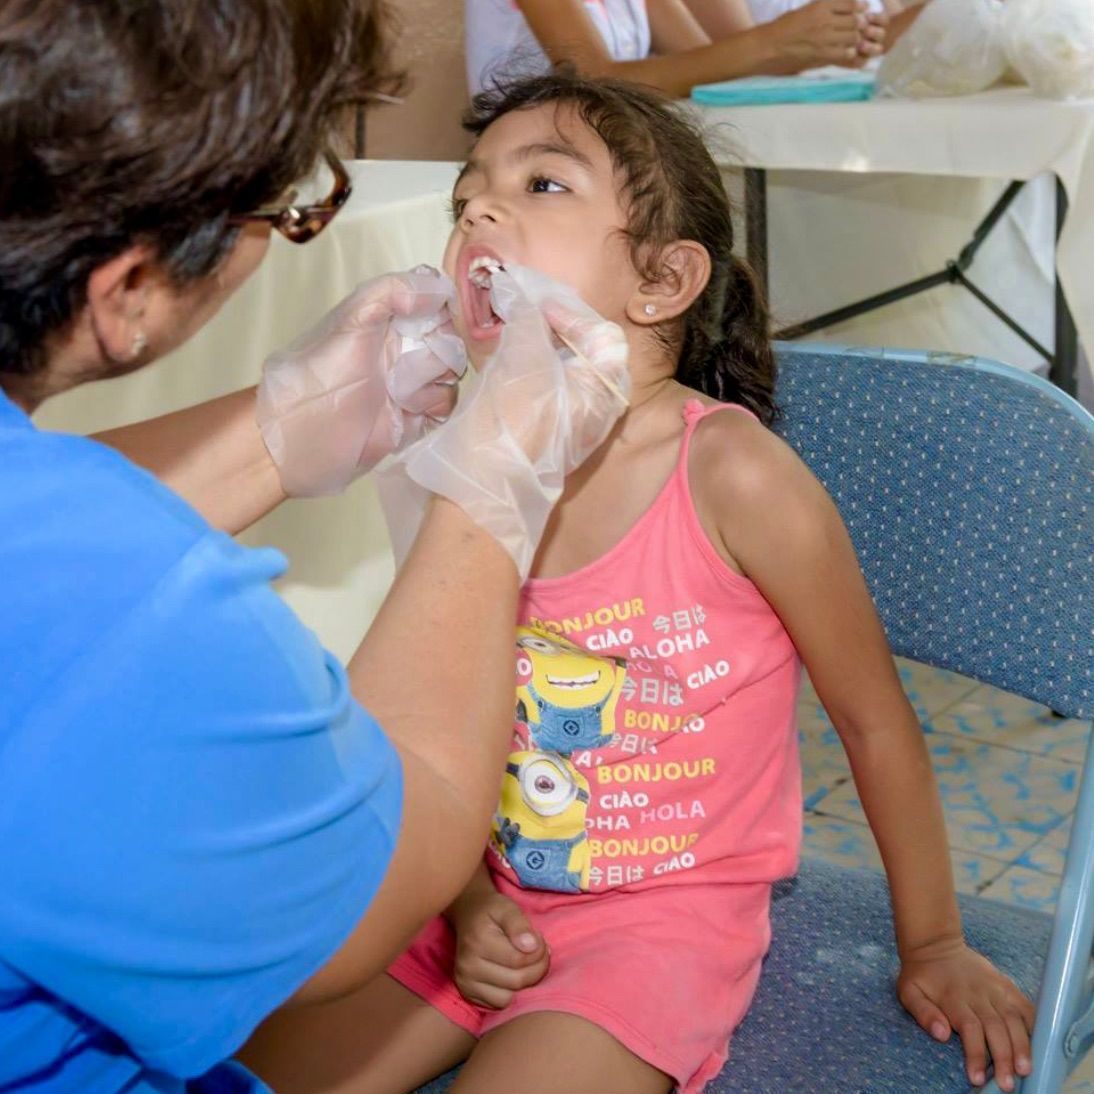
x=843, y=225
x=340, y=559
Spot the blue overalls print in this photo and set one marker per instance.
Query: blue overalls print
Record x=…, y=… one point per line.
x=565, y=730
x=541, y=863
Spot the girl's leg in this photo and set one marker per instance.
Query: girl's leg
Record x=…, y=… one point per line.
x=382, y=1039
x=548, y=1051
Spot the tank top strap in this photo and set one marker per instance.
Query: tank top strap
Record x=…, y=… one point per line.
x=694, y=412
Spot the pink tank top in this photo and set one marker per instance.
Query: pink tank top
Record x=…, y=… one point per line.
x=655, y=739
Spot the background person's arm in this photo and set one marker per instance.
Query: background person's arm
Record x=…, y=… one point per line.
x=825, y=32
x=721, y=18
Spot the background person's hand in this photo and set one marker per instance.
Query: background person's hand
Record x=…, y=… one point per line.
x=498, y=951
x=949, y=986
x=367, y=380
x=826, y=32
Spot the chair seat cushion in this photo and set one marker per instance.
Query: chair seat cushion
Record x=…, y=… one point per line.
x=826, y=1017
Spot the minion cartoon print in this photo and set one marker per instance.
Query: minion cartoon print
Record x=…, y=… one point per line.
x=539, y=828
x=565, y=695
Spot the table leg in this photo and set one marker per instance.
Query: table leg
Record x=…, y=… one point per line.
x=756, y=224
x=1066, y=356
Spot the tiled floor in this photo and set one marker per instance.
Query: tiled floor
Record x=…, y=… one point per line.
x=1008, y=771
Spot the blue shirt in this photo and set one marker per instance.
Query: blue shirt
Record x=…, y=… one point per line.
x=194, y=812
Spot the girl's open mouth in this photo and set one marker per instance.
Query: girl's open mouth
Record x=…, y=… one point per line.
x=483, y=323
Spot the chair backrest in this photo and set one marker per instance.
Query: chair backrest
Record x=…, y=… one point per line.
x=966, y=487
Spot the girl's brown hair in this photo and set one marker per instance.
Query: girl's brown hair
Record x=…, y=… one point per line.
x=674, y=191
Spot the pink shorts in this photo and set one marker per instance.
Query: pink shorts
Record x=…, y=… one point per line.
x=669, y=972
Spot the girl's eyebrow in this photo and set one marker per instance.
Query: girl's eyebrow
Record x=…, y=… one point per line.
x=530, y=151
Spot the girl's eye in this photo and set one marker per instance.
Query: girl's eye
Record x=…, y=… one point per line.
x=456, y=207
x=543, y=185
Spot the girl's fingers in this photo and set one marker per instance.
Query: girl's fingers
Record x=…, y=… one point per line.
x=519, y=931
x=927, y=1013
x=486, y=995
x=1019, y=1039
x=504, y=977
x=1002, y=1051
x=1024, y=1005
x=971, y=1033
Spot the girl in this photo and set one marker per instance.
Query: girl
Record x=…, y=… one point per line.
x=612, y=938
x=661, y=42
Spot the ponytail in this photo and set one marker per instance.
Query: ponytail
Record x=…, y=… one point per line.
x=726, y=351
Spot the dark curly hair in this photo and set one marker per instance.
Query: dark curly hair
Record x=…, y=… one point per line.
x=674, y=191
x=126, y=121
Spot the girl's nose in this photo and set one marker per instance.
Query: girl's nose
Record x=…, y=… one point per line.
x=482, y=207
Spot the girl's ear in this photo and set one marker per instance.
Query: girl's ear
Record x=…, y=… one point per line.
x=683, y=273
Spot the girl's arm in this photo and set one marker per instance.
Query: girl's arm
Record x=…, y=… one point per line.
x=825, y=32
x=799, y=555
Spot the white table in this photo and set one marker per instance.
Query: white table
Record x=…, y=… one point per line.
x=1002, y=134
x=340, y=558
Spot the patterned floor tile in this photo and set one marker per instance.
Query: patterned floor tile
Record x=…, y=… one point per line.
x=932, y=690
x=1026, y=888
x=1047, y=855
x=998, y=718
x=998, y=802
x=849, y=844
x=929, y=690
x=823, y=760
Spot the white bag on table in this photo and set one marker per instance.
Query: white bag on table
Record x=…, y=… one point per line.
x=1050, y=44
x=955, y=47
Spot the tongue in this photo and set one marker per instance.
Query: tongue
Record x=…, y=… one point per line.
x=481, y=313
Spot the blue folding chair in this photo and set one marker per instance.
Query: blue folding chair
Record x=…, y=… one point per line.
x=966, y=487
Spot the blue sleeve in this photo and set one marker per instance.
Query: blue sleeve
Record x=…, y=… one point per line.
x=193, y=815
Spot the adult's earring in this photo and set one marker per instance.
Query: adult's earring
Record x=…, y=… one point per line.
x=140, y=340
x=651, y=309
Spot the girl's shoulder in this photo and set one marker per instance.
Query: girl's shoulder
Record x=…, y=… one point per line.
x=738, y=468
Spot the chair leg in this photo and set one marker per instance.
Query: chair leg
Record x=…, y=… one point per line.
x=1068, y=964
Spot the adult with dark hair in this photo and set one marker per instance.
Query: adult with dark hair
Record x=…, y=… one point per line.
x=202, y=814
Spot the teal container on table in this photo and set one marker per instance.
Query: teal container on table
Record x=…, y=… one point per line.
x=769, y=90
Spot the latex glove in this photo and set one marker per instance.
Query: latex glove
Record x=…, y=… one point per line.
x=543, y=403
x=368, y=379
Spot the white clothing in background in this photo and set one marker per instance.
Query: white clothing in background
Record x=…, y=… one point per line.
x=500, y=42
x=764, y=11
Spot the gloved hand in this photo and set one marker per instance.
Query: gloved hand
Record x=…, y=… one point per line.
x=368, y=379
x=543, y=403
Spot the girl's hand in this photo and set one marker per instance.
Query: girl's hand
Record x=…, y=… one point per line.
x=947, y=986
x=498, y=951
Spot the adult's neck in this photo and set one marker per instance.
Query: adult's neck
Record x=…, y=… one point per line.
x=22, y=391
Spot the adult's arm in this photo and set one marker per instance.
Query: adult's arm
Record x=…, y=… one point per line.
x=212, y=455
x=435, y=670
x=721, y=18
x=566, y=33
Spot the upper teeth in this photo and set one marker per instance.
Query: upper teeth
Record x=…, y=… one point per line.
x=482, y=269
